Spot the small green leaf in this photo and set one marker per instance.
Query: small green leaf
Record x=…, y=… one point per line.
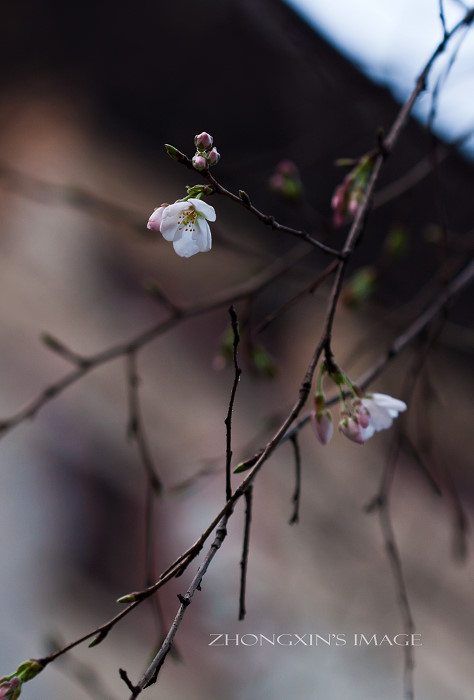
x=360, y=287
x=129, y=598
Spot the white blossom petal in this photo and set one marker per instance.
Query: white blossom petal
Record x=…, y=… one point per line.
x=185, y=224
x=389, y=402
x=203, y=235
x=204, y=209
x=382, y=409
x=185, y=246
x=170, y=220
x=367, y=433
x=380, y=417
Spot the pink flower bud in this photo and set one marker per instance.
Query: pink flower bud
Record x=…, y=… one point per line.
x=203, y=141
x=154, y=222
x=322, y=426
x=277, y=182
x=213, y=157
x=10, y=689
x=287, y=167
x=353, y=207
x=199, y=162
x=351, y=429
x=362, y=414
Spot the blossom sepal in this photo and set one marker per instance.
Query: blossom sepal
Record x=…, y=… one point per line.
x=199, y=190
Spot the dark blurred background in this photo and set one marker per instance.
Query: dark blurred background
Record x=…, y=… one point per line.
x=91, y=92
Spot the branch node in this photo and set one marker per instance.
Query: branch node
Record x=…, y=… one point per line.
x=134, y=689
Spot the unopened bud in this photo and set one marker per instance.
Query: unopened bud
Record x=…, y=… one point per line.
x=214, y=156
x=203, y=141
x=322, y=426
x=199, y=162
x=130, y=598
x=362, y=413
x=286, y=181
x=351, y=429
x=10, y=689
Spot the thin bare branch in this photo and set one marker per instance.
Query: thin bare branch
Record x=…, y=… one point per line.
x=150, y=675
x=136, y=429
x=296, y=495
x=245, y=552
x=228, y=420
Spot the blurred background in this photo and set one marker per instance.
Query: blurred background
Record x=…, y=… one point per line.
x=91, y=92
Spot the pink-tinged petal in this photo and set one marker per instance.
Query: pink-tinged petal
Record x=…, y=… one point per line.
x=203, y=208
x=154, y=222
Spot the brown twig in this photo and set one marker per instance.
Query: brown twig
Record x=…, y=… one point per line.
x=151, y=673
x=297, y=492
x=136, y=429
x=228, y=420
x=245, y=552
x=268, y=219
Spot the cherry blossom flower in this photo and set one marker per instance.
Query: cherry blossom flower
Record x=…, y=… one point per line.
x=370, y=414
x=382, y=409
x=185, y=224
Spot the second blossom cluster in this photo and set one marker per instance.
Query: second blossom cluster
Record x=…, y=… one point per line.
x=362, y=415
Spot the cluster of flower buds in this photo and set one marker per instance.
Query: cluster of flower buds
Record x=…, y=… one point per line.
x=206, y=154
x=286, y=181
x=349, y=195
x=362, y=415
x=10, y=686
